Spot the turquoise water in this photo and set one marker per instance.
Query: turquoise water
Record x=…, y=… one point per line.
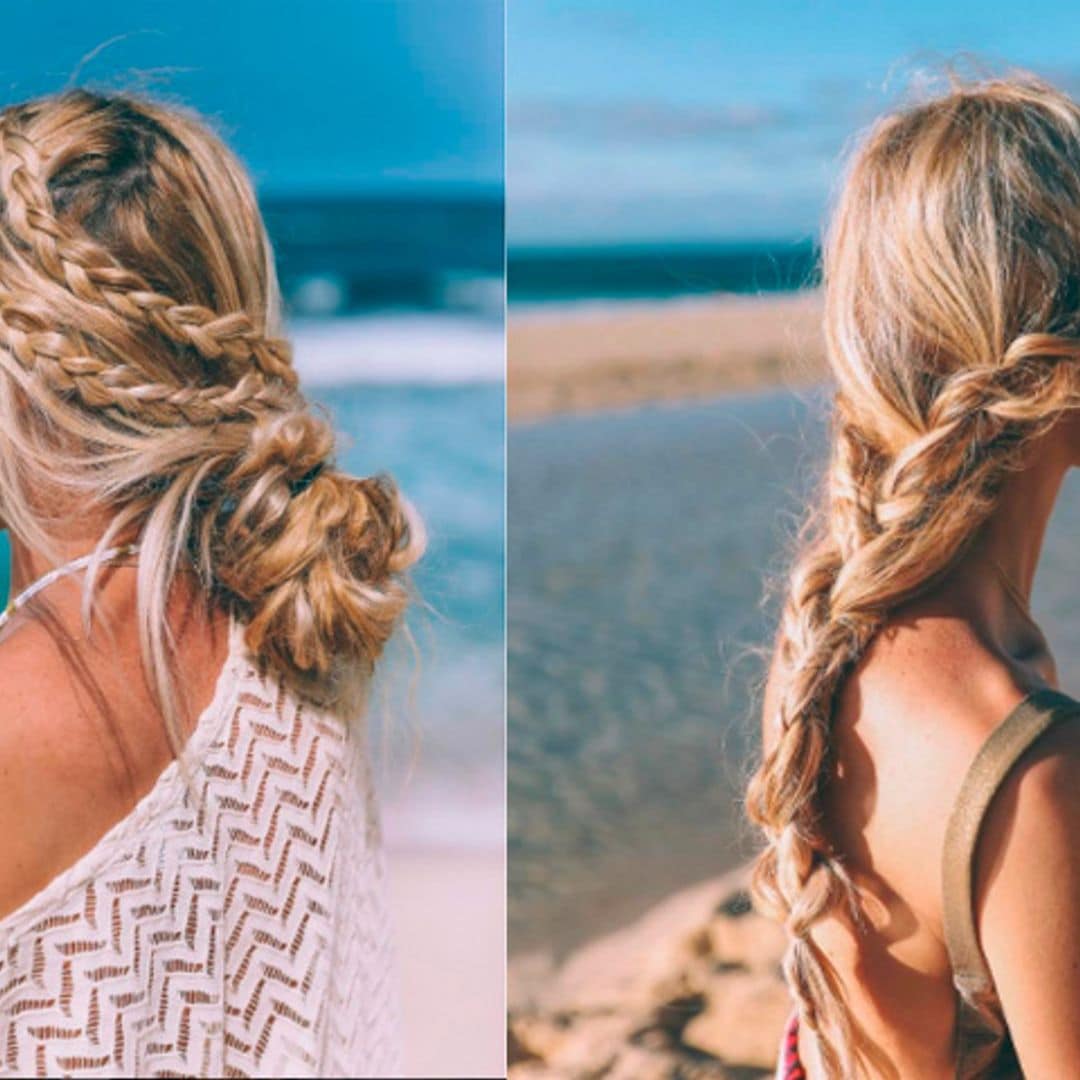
x=444, y=446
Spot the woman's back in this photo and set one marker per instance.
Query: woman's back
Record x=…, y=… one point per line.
x=907, y=728
x=231, y=923
x=910, y=722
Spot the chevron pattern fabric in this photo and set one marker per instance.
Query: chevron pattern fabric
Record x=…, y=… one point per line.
x=233, y=924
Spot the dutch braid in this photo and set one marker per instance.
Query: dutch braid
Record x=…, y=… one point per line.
x=66, y=368
x=91, y=273
x=141, y=371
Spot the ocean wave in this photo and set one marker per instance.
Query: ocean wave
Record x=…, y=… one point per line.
x=415, y=347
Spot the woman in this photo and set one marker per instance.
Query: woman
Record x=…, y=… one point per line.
x=190, y=875
x=920, y=788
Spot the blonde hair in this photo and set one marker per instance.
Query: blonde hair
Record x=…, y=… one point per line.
x=143, y=376
x=952, y=322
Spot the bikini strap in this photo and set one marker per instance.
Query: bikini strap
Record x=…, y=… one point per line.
x=980, y=1027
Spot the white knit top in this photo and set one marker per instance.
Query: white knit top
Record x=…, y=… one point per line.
x=242, y=933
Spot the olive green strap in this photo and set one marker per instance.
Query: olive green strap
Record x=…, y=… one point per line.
x=980, y=1029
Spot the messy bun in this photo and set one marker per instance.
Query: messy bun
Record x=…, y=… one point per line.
x=143, y=374
x=311, y=558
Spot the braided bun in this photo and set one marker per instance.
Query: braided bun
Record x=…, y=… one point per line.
x=143, y=373
x=310, y=556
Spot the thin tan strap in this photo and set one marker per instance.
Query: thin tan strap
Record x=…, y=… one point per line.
x=979, y=1026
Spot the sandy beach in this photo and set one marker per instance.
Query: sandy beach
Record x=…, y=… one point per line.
x=691, y=989
x=580, y=358
x=449, y=907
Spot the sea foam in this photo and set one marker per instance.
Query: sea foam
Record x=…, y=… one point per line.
x=412, y=347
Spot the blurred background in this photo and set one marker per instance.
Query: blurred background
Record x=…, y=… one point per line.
x=374, y=132
x=668, y=170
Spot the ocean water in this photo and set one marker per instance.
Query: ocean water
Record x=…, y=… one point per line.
x=542, y=276
x=640, y=548
x=391, y=252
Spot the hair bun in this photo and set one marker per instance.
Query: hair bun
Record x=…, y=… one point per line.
x=311, y=558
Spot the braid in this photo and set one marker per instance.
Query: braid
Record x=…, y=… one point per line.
x=65, y=368
x=89, y=271
x=873, y=557
x=796, y=879
x=142, y=385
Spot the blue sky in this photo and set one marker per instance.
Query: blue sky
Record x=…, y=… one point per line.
x=640, y=120
x=330, y=95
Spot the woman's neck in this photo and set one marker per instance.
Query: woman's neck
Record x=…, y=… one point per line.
x=115, y=590
x=29, y=566
x=992, y=584
x=1013, y=537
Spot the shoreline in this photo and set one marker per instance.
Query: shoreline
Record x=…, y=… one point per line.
x=567, y=920
x=585, y=357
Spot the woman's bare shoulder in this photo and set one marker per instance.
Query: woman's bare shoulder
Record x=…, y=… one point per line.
x=928, y=681
x=60, y=789
x=909, y=721
x=923, y=680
